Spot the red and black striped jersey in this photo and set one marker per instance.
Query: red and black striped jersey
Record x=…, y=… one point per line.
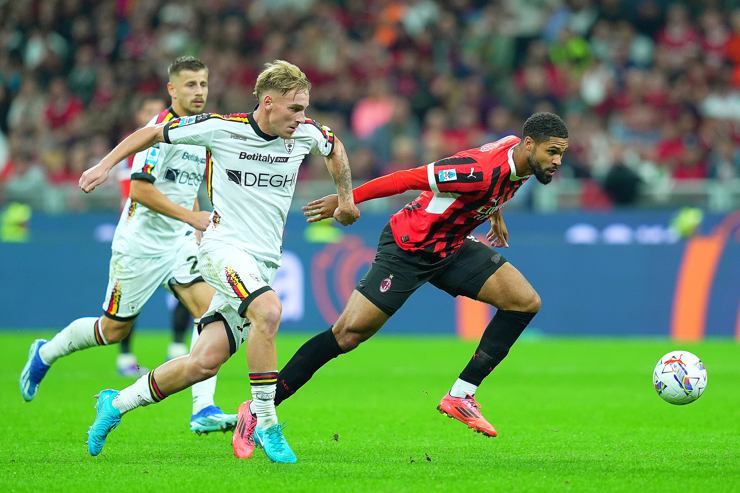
x=459, y=193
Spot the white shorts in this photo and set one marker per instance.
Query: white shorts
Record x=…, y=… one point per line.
x=133, y=280
x=238, y=279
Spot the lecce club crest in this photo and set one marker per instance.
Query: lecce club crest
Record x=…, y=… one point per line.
x=289, y=145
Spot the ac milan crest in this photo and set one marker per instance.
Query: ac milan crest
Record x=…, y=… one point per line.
x=385, y=284
x=289, y=145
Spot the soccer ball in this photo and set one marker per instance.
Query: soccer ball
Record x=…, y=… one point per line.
x=680, y=377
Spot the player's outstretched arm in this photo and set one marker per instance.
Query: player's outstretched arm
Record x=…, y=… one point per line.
x=148, y=195
x=346, y=212
x=138, y=141
x=384, y=186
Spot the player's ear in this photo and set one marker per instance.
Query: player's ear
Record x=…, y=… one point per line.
x=529, y=143
x=171, y=89
x=267, y=101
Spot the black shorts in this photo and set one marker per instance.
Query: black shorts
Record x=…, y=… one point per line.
x=396, y=273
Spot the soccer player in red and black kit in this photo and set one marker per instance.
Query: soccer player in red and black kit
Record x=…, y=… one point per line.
x=428, y=241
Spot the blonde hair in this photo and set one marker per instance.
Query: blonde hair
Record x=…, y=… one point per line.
x=282, y=76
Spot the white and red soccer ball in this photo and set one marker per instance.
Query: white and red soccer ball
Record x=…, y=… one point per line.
x=680, y=377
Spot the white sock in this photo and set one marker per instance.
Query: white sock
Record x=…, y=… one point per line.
x=80, y=334
x=461, y=388
x=124, y=360
x=202, y=391
x=263, y=398
x=135, y=395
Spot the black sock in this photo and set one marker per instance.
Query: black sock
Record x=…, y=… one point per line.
x=126, y=341
x=180, y=322
x=314, y=354
x=501, y=333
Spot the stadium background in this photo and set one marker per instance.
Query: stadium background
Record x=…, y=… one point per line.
x=635, y=241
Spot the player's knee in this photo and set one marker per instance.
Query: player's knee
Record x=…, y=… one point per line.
x=207, y=372
x=267, y=319
x=531, y=303
x=203, y=368
x=114, y=331
x=114, y=337
x=349, y=337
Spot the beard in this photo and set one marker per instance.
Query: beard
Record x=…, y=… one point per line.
x=538, y=172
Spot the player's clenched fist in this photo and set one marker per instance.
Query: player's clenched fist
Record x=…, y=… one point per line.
x=93, y=177
x=347, y=214
x=326, y=207
x=200, y=220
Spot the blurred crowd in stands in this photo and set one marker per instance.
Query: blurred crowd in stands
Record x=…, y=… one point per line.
x=649, y=88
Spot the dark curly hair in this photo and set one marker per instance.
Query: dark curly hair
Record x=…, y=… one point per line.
x=542, y=126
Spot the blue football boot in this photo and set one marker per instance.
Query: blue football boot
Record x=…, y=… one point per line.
x=274, y=444
x=33, y=372
x=212, y=418
x=106, y=419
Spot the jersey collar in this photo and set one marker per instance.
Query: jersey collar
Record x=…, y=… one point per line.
x=257, y=129
x=512, y=166
x=171, y=110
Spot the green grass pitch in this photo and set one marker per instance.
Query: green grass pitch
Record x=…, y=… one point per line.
x=573, y=415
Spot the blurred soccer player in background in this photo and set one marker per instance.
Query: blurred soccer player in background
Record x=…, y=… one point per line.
x=146, y=108
x=154, y=245
x=127, y=363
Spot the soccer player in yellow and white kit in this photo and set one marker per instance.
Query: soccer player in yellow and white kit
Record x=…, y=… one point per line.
x=251, y=180
x=154, y=245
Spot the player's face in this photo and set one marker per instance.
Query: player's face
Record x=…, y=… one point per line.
x=189, y=91
x=546, y=157
x=285, y=111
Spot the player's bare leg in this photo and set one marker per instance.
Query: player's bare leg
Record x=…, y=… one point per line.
x=196, y=297
x=517, y=303
x=264, y=313
x=115, y=330
x=206, y=415
x=359, y=321
x=209, y=353
x=508, y=289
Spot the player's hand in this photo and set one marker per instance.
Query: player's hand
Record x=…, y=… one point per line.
x=93, y=177
x=320, y=209
x=200, y=220
x=347, y=214
x=498, y=236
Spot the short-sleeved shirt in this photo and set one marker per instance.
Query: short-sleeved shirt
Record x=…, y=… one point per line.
x=177, y=172
x=250, y=177
x=465, y=189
